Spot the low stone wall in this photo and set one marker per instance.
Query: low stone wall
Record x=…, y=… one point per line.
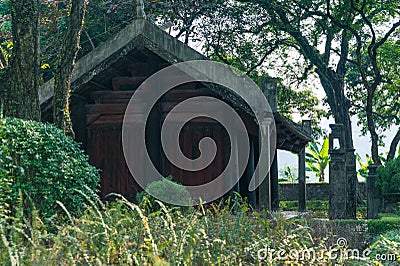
x=314, y=191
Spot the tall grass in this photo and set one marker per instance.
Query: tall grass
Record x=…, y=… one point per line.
x=120, y=232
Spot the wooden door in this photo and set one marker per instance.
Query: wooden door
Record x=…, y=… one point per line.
x=189, y=139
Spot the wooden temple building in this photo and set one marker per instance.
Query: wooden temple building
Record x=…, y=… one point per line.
x=105, y=79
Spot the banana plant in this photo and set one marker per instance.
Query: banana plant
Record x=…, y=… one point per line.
x=317, y=158
x=363, y=170
x=288, y=174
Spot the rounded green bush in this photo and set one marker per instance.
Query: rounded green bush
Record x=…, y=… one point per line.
x=43, y=165
x=167, y=189
x=388, y=177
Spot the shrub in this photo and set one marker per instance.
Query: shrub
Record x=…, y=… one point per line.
x=388, y=177
x=387, y=245
x=43, y=164
x=319, y=208
x=121, y=233
x=167, y=189
x=5, y=177
x=384, y=224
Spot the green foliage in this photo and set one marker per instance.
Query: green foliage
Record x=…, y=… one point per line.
x=386, y=103
x=387, y=244
x=43, y=164
x=5, y=176
x=301, y=101
x=5, y=25
x=122, y=233
x=383, y=224
x=288, y=174
x=167, y=189
x=5, y=34
x=363, y=170
x=317, y=158
x=103, y=20
x=388, y=177
x=318, y=208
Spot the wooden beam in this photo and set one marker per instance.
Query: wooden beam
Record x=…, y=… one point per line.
x=134, y=82
x=108, y=96
x=117, y=72
x=99, y=85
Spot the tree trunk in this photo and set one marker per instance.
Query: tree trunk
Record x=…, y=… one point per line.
x=393, y=146
x=21, y=98
x=322, y=177
x=65, y=66
x=371, y=127
x=333, y=84
x=3, y=60
x=3, y=89
x=339, y=105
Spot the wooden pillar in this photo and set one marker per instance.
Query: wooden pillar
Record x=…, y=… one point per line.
x=235, y=169
x=306, y=124
x=374, y=197
x=153, y=137
x=264, y=190
x=78, y=118
x=302, y=181
x=274, y=183
x=268, y=192
x=251, y=194
x=245, y=180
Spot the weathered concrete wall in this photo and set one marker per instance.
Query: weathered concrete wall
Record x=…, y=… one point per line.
x=315, y=191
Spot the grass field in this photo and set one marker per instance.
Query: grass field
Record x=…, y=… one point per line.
x=225, y=234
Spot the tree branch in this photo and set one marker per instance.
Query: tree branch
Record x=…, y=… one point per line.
x=90, y=40
x=267, y=53
x=387, y=35
x=328, y=45
x=393, y=117
x=393, y=146
x=65, y=66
